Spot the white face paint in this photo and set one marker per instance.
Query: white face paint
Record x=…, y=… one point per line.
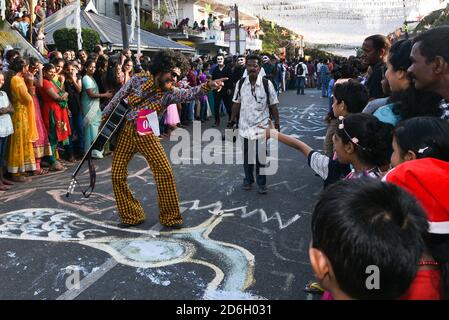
x=220, y=61
x=241, y=61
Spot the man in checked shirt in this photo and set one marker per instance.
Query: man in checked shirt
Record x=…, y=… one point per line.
x=150, y=92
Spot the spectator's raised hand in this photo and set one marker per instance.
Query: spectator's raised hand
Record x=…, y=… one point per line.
x=217, y=84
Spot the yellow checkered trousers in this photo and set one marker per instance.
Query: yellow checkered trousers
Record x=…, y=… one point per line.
x=129, y=208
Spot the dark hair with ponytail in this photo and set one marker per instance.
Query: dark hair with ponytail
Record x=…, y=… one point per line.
x=399, y=56
x=374, y=138
x=48, y=67
x=17, y=65
x=427, y=137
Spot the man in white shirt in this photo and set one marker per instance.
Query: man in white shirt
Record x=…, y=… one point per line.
x=317, y=71
x=254, y=108
x=301, y=73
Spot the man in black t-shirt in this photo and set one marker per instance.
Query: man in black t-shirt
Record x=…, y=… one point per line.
x=375, y=52
x=225, y=95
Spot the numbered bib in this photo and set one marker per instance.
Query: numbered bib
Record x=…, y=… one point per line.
x=143, y=125
x=147, y=123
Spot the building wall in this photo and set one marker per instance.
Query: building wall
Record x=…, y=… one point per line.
x=110, y=8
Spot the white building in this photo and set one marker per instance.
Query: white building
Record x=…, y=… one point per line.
x=208, y=42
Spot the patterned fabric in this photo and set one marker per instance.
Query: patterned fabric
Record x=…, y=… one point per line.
x=375, y=173
x=444, y=105
x=130, y=209
x=143, y=94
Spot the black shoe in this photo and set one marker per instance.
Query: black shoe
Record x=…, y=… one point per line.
x=246, y=186
x=262, y=190
x=175, y=226
x=128, y=225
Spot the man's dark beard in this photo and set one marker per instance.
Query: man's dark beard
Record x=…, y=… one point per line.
x=167, y=83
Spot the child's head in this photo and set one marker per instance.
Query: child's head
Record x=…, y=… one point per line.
x=363, y=138
x=2, y=79
x=363, y=225
x=422, y=137
x=349, y=97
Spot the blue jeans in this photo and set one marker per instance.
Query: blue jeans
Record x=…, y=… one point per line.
x=301, y=85
x=324, y=87
x=248, y=162
x=203, y=111
x=191, y=111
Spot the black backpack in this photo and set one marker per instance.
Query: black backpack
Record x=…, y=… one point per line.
x=299, y=70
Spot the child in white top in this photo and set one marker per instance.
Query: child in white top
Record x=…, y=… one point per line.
x=6, y=129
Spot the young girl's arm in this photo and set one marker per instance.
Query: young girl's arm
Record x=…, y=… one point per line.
x=329, y=170
x=288, y=140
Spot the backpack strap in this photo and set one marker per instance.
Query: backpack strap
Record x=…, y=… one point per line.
x=267, y=91
x=240, y=85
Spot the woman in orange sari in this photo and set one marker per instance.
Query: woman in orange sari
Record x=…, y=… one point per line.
x=20, y=151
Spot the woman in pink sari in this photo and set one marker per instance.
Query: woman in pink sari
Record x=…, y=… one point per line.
x=42, y=148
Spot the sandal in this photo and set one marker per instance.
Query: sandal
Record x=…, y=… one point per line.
x=6, y=182
x=40, y=172
x=21, y=179
x=4, y=188
x=57, y=166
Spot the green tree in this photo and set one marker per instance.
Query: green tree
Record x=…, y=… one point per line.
x=67, y=39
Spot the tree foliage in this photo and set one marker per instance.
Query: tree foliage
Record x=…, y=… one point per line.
x=66, y=39
x=434, y=19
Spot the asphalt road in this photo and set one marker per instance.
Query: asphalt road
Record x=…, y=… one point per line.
x=235, y=245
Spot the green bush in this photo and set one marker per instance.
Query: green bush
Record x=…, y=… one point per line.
x=66, y=39
x=148, y=25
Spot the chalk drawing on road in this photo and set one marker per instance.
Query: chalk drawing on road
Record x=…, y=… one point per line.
x=234, y=268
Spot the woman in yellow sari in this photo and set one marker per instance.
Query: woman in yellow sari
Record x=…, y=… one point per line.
x=20, y=151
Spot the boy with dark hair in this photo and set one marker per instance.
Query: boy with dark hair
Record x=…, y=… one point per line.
x=349, y=97
x=366, y=240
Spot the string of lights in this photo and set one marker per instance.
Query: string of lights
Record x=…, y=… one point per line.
x=342, y=21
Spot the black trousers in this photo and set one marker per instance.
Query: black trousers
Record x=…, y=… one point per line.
x=227, y=100
x=251, y=158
